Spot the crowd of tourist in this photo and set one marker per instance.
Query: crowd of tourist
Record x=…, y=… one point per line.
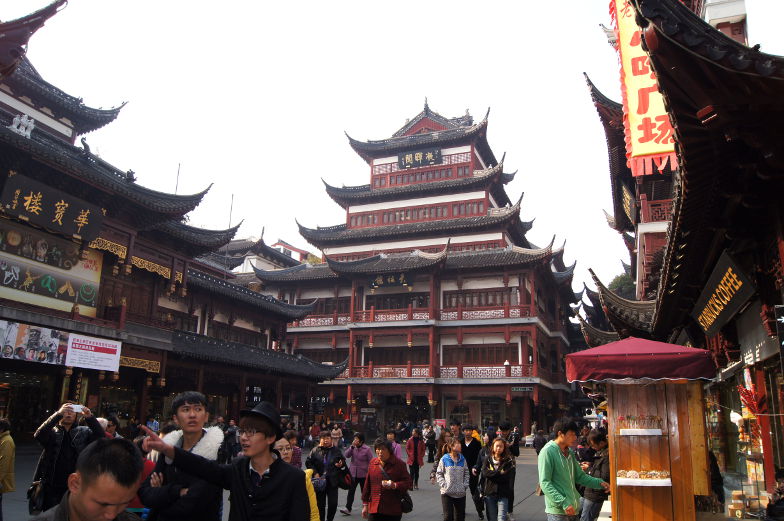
x=179, y=470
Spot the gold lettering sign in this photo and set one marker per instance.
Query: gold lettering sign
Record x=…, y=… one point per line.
x=151, y=366
x=725, y=292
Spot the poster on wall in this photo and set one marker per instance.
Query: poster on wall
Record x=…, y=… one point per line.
x=32, y=343
x=93, y=353
x=44, y=270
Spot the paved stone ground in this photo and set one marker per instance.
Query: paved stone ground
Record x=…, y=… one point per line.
x=427, y=501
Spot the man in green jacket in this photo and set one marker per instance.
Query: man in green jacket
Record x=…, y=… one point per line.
x=559, y=471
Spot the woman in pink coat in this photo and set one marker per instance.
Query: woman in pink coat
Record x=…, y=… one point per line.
x=415, y=448
x=360, y=456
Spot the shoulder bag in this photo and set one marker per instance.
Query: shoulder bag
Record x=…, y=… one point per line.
x=406, y=503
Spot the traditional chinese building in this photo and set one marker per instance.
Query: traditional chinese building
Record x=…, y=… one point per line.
x=431, y=289
x=107, y=297
x=717, y=282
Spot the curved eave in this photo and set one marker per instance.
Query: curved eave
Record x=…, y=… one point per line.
x=340, y=234
x=628, y=317
x=299, y=273
x=565, y=276
x=191, y=345
x=610, y=112
x=217, y=260
x=492, y=177
x=263, y=250
x=369, y=150
x=512, y=256
x=733, y=91
x=15, y=35
x=80, y=164
x=198, y=236
x=596, y=337
x=417, y=261
x=85, y=119
x=677, y=23
x=249, y=297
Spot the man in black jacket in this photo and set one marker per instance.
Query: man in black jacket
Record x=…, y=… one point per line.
x=170, y=493
x=320, y=458
x=62, y=442
x=470, y=449
x=262, y=486
x=599, y=467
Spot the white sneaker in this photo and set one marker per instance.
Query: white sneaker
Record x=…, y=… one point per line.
x=345, y=512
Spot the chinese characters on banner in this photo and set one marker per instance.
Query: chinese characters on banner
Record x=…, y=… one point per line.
x=50, y=208
x=650, y=144
x=93, y=353
x=417, y=158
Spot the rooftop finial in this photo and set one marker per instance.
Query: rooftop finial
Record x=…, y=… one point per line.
x=426, y=107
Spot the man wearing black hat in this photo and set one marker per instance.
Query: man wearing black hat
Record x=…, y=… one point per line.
x=262, y=486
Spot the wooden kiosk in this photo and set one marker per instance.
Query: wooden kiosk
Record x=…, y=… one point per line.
x=658, y=451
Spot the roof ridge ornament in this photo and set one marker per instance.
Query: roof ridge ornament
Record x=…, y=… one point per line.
x=22, y=125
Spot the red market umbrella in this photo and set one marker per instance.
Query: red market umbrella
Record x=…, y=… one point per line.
x=638, y=358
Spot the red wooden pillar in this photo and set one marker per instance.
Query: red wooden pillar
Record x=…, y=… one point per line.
x=764, y=423
x=535, y=351
x=352, y=355
x=533, y=292
x=525, y=414
x=431, y=337
x=353, y=303
x=433, y=299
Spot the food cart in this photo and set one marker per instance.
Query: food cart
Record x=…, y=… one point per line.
x=658, y=452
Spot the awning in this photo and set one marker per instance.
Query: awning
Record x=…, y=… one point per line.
x=636, y=358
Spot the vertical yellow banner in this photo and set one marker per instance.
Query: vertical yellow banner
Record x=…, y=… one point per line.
x=648, y=126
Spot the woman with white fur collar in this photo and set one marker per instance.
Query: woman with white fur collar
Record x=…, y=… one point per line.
x=171, y=494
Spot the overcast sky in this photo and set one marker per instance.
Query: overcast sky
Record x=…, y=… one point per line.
x=255, y=96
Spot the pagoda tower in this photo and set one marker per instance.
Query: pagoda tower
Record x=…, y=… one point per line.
x=431, y=289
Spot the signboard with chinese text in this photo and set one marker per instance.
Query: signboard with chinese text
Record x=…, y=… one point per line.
x=389, y=280
x=727, y=289
x=522, y=389
x=93, y=353
x=32, y=343
x=648, y=129
x=44, y=270
x=50, y=208
x=417, y=158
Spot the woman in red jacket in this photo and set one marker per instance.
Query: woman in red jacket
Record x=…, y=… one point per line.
x=386, y=481
x=415, y=448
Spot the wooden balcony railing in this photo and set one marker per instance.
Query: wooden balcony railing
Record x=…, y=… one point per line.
x=655, y=211
x=412, y=313
x=484, y=371
x=485, y=312
x=391, y=371
x=423, y=371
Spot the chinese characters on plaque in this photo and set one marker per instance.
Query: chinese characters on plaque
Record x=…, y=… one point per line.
x=50, y=208
x=417, y=158
x=389, y=280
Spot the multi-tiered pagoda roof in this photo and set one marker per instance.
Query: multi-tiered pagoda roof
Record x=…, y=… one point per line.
x=492, y=178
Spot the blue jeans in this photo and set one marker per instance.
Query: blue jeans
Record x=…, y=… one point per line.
x=497, y=508
x=590, y=510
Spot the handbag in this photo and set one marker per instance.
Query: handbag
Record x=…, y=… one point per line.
x=406, y=503
x=35, y=497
